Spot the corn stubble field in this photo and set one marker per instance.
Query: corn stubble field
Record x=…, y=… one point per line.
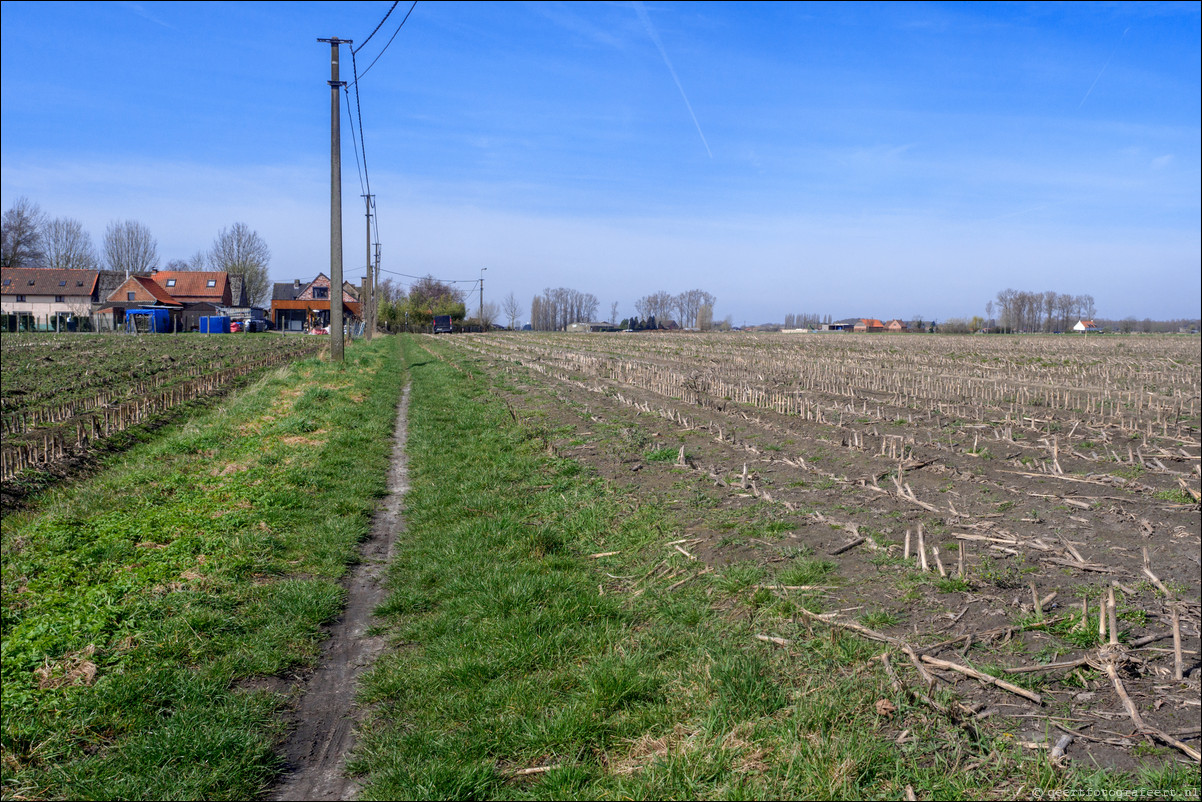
x=634, y=566
x=1016, y=518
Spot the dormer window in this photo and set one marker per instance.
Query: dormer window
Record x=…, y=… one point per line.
x=170, y=282
x=211, y=282
x=31, y=282
x=62, y=284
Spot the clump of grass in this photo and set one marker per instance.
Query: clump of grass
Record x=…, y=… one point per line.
x=806, y=571
x=665, y=454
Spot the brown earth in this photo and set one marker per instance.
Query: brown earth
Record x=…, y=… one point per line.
x=759, y=487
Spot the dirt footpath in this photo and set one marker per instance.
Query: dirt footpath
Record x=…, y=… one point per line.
x=326, y=714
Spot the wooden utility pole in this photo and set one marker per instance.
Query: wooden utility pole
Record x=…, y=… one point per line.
x=369, y=293
x=336, y=343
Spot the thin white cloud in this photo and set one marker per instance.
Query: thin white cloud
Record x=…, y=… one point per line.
x=642, y=12
x=138, y=9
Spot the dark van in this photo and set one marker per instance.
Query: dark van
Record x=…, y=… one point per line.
x=442, y=324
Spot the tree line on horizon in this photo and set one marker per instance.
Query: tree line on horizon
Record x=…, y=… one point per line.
x=30, y=238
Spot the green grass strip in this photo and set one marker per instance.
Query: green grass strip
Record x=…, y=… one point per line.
x=140, y=605
x=513, y=650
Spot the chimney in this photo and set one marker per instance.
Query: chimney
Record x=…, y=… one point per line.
x=296, y=284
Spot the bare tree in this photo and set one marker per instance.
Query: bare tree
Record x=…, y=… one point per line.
x=613, y=313
x=242, y=252
x=488, y=315
x=68, y=246
x=129, y=247
x=512, y=309
x=21, y=243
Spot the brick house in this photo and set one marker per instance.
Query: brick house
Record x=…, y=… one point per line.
x=869, y=325
x=296, y=306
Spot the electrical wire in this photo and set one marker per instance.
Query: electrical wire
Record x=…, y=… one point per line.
x=351, y=121
x=359, y=110
x=373, y=33
x=443, y=280
x=398, y=30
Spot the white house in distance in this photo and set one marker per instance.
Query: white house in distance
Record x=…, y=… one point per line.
x=1085, y=326
x=43, y=295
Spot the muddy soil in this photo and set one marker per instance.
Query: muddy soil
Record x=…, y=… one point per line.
x=326, y=715
x=755, y=486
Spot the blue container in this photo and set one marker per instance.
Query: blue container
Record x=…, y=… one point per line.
x=215, y=324
x=158, y=321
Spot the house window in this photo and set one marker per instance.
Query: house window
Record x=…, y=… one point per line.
x=129, y=296
x=58, y=299
x=7, y=281
x=321, y=292
x=62, y=284
x=211, y=282
x=31, y=282
x=20, y=299
x=170, y=282
x=79, y=284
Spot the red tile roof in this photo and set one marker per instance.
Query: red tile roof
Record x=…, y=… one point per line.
x=193, y=286
x=46, y=281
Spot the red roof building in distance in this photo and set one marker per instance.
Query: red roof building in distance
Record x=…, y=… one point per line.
x=142, y=291
x=189, y=287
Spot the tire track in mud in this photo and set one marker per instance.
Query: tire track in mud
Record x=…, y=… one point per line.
x=326, y=715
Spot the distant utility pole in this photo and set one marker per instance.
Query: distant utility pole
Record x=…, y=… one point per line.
x=375, y=292
x=370, y=293
x=482, y=297
x=336, y=344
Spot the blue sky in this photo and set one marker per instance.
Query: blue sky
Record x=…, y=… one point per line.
x=889, y=160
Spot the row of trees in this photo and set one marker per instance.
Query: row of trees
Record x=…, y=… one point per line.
x=1021, y=310
x=558, y=308
x=805, y=320
x=30, y=238
x=690, y=309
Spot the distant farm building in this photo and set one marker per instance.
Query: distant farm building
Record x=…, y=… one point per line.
x=869, y=325
x=1085, y=326
x=591, y=327
x=896, y=326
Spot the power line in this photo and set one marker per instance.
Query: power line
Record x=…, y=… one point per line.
x=373, y=33
x=359, y=110
x=398, y=30
x=351, y=121
x=443, y=280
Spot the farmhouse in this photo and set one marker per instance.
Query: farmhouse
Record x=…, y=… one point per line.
x=200, y=293
x=1086, y=326
x=296, y=306
x=896, y=325
x=869, y=325
x=139, y=292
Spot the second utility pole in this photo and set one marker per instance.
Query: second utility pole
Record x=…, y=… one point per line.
x=336, y=344
x=369, y=292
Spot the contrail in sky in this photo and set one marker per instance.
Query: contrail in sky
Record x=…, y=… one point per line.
x=1104, y=66
x=642, y=12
